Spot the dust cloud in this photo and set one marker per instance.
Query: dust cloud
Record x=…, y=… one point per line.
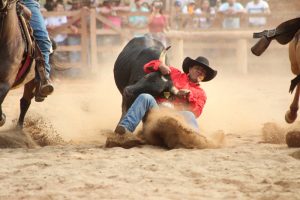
x=85, y=110
x=167, y=128
x=80, y=110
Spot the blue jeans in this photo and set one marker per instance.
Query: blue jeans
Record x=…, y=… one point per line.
x=141, y=105
x=40, y=32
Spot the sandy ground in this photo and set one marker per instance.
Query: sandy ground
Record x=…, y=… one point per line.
x=83, y=112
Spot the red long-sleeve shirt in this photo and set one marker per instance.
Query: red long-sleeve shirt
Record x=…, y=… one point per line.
x=196, y=98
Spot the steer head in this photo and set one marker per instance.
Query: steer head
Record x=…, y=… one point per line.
x=153, y=83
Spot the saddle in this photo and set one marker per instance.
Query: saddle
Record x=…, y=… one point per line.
x=283, y=34
x=29, y=57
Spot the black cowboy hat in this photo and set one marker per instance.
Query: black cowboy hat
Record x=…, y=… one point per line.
x=200, y=61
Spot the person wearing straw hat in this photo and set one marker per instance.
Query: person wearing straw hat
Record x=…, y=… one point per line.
x=189, y=99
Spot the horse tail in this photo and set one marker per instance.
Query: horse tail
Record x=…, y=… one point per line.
x=53, y=61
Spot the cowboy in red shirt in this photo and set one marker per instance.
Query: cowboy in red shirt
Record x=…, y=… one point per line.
x=189, y=100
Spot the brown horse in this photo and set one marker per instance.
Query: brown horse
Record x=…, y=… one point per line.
x=294, y=55
x=286, y=32
x=13, y=54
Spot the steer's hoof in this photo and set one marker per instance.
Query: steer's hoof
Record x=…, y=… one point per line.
x=293, y=139
x=3, y=120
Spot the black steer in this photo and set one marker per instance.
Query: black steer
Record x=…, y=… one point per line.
x=129, y=73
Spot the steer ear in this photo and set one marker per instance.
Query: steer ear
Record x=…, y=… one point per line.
x=162, y=57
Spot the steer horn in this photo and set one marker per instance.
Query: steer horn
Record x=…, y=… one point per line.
x=162, y=57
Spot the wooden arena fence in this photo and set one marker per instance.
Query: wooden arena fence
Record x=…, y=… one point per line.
x=239, y=39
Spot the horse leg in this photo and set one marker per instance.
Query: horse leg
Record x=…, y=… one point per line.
x=294, y=55
x=4, y=88
x=291, y=115
x=297, y=48
x=25, y=101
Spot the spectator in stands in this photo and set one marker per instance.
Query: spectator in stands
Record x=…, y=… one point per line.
x=207, y=14
x=158, y=22
x=231, y=10
x=183, y=2
x=74, y=38
x=126, y=2
x=146, y=5
x=120, y=6
x=215, y=3
x=193, y=21
x=52, y=23
x=49, y=5
x=78, y=4
x=177, y=19
x=191, y=8
x=138, y=21
x=254, y=7
x=108, y=10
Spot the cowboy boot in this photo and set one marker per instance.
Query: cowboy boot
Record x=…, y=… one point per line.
x=44, y=86
x=123, y=138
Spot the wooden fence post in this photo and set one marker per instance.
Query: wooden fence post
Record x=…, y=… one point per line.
x=93, y=36
x=242, y=56
x=84, y=38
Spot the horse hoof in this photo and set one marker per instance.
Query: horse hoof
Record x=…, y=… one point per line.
x=289, y=118
x=19, y=126
x=293, y=139
x=3, y=120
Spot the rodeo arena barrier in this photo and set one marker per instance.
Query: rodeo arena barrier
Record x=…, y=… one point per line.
x=239, y=41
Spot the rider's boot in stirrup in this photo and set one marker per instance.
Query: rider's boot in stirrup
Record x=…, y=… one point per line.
x=44, y=86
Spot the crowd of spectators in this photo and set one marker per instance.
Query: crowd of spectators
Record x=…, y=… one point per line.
x=152, y=17
x=203, y=13
x=196, y=14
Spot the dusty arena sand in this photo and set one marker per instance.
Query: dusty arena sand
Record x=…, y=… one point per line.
x=80, y=114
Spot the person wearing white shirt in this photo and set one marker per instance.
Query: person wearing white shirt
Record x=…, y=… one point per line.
x=231, y=11
x=192, y=10
x=207, y=14
x=56, y=21
x=254, y=7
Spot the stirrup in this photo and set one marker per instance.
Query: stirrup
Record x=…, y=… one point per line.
x=42, y=91
x=270, y=34
x=38, y=96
